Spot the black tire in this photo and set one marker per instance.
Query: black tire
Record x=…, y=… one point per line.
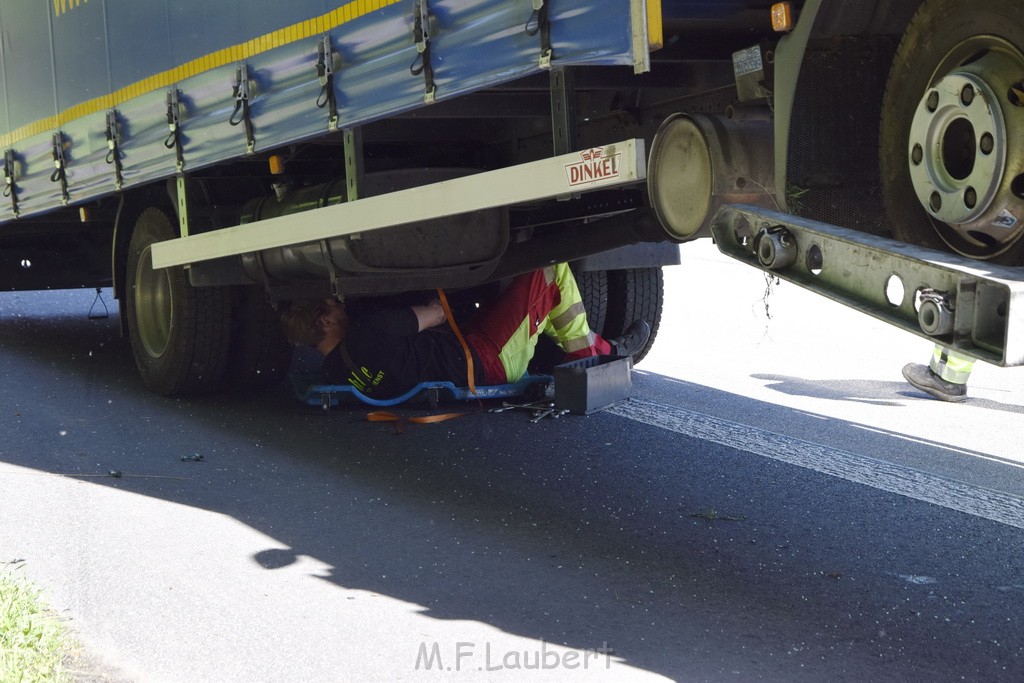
x=594, y=291
x=261, y=354
x=613, y=299
x=984, y=38
x=634, y=294
x=179, y=333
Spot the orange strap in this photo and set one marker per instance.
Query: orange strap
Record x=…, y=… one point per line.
x=385, y=416
x=462, y=340
x=398, y=422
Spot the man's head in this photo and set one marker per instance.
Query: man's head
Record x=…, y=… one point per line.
x=311, y=323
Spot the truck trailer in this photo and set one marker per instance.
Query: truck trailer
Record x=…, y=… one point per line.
x=209, y=159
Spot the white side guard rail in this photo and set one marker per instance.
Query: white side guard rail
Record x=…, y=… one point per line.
x=971, y=306
x=618, y=164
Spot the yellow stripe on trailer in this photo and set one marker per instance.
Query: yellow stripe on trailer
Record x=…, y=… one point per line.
x=655, y=26
x=316, y=26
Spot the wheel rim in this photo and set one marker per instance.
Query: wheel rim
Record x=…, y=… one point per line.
x=959, y=154
x=154, y=305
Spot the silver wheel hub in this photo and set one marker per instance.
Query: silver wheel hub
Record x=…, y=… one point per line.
x=154, y=306
x=964, y=156
x=958, y=149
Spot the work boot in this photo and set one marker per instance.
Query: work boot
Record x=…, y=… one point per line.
x=925, y=379
x=633, y=340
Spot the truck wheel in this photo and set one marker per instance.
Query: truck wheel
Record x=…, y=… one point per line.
x=952, y=130
x=634, y=294
x=179, y=333
x=261, y=354
x=613, y=299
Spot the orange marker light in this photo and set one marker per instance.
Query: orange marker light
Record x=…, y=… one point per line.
x=276, y=165
x=782, y=17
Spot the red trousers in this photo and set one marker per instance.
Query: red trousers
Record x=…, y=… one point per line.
x=504, y=336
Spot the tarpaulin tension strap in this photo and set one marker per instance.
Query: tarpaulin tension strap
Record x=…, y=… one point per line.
x=241, y=113
x=325, y=73
x=421, y=36
x=539, y=23
x=59, y=174
x=173, y=140
x=10, y=188
x=113, y=146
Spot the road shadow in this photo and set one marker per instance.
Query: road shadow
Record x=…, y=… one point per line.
x=867, y=391
x=581, y=532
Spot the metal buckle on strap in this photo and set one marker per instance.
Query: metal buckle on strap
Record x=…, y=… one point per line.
x=59, y=174
x=241, y=113
x=113, y=146
x=173, y=140
x=10, y=188
x=538, y=23
x=421, y=37
x=325, y=75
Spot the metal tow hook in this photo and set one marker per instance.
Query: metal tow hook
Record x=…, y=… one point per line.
x=776, y=248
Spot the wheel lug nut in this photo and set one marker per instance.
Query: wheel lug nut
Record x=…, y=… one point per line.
x=936, y=202
x=987, y=144
x=967, y=95
x=933, y=101
x=970, y=197
x=917, y=155
x=1016, y=94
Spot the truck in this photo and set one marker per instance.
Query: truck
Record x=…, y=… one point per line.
x=209, y=159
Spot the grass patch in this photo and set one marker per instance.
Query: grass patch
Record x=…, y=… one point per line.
x=795, y=198
x=32, y=637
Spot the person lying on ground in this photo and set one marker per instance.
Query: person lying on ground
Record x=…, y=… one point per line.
x=386, y=353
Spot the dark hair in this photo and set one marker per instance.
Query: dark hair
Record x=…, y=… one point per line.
x=300, y=319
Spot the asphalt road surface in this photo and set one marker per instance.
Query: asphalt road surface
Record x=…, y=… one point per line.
x=773, y=503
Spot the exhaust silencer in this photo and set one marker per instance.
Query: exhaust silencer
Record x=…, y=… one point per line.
x=699, y=162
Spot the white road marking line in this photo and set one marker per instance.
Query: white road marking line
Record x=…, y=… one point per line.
x=953, y=449
x=973, y=500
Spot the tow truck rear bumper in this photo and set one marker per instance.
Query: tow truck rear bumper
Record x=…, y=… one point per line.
x=974, y=307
